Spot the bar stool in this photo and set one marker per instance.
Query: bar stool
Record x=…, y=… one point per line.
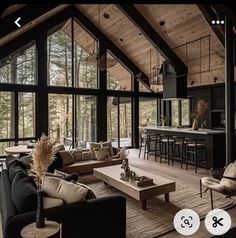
x=167, y=143
x=143, y=142
x=192, y=147
x=153, y=138
x=179, y=144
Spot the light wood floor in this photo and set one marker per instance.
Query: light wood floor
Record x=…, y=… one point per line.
x=177, y=174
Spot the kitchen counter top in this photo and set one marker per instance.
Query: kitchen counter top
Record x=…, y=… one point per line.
x=184, y=130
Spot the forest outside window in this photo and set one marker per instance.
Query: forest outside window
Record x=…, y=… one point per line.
x=118, y=77
x=72, y=66
x=180, y=112
x=19, y=67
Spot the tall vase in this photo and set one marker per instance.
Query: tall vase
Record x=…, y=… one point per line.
x=195, y=124
x=40, y=221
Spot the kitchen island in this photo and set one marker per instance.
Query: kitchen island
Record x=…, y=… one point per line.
x=214, y=141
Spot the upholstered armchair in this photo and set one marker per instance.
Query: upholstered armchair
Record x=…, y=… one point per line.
x=225, y=185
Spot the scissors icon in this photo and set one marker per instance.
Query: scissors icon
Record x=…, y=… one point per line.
x=217, y=222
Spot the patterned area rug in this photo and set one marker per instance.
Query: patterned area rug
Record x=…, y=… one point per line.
x=157, y=219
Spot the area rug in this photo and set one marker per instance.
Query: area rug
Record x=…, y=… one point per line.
x=158, y=218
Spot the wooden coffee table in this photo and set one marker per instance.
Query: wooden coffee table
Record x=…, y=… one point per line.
x=111, y=176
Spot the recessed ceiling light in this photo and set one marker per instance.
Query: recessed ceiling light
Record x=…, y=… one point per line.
x=106, y=15
x=162, y=23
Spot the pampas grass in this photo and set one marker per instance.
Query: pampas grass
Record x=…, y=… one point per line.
x=200, y=111
x=43, y=156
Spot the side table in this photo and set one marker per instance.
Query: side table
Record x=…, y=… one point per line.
x=51, y=228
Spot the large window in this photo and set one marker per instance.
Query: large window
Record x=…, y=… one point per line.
x=119, y=121
x=118, y=77
x=147, y=111
x=85, y=119
x=20, y=67
x=61, y=59
x=60, y=117
x=180, y=112
x=26, y=109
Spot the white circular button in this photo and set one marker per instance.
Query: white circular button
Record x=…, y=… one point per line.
x=218, y=222
x=186, y=222
x=213, y=22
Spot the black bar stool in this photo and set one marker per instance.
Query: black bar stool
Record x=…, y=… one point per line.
x=167, y=143
x=179, y=145
x=192, y=148
x=142, y=142
x=153, y=144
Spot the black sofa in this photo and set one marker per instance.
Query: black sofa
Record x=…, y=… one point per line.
x=98, y=217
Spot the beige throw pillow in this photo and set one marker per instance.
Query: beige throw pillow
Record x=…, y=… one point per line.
x=93, y=146
x=109, y=145
x=49, y=202
x=102, y=153
x=77, y=154
x=67, y=157
x=67, y=191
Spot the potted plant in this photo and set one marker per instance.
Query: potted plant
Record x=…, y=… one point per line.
x=199, y=113
x=43, y=156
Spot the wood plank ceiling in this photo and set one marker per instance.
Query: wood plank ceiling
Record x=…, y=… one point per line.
x=185, y=30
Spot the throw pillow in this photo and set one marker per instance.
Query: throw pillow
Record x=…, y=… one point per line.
x=24, y=193
x=68, y=177
x=90, y=194
x=67, y=157
x=93, y=146
x=49, y=202
x=77, y=154
x=102, y=153
x=27, y=160
x=60, y=147
x=109, y=145
x=67, y=191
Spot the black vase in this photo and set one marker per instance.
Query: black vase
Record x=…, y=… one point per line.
x=40, y=221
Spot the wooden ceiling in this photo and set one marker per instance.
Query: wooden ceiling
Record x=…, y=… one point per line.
x=185, y=30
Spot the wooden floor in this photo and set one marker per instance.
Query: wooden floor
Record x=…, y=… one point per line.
x=176, y=173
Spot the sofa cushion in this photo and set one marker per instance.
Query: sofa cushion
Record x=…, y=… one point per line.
x=49, y=202
x=68, y=177
x=90, y=194
x=67, y=191
x=102, y=153
x=60, y=147
x=77, y=154
x=24, y=193
x=94, y=145
x=27, y=160
x=14, y=167
x=67, y=157
x=109, y=145
x=56, y=164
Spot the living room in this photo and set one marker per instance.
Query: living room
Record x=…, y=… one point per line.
x=136, y=107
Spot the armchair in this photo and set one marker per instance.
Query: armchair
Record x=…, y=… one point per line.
x=225, y=185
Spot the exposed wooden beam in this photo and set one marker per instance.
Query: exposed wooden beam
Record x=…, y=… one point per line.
x=155, y=39
x=87, y=24
x=210, y=15
x=27, y=14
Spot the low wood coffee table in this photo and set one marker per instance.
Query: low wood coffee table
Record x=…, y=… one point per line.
x=111, y=176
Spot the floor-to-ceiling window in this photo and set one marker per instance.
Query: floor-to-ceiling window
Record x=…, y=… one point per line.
x=72, y=64
x=148, y=111
x=119, y=121
x=17, y=105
